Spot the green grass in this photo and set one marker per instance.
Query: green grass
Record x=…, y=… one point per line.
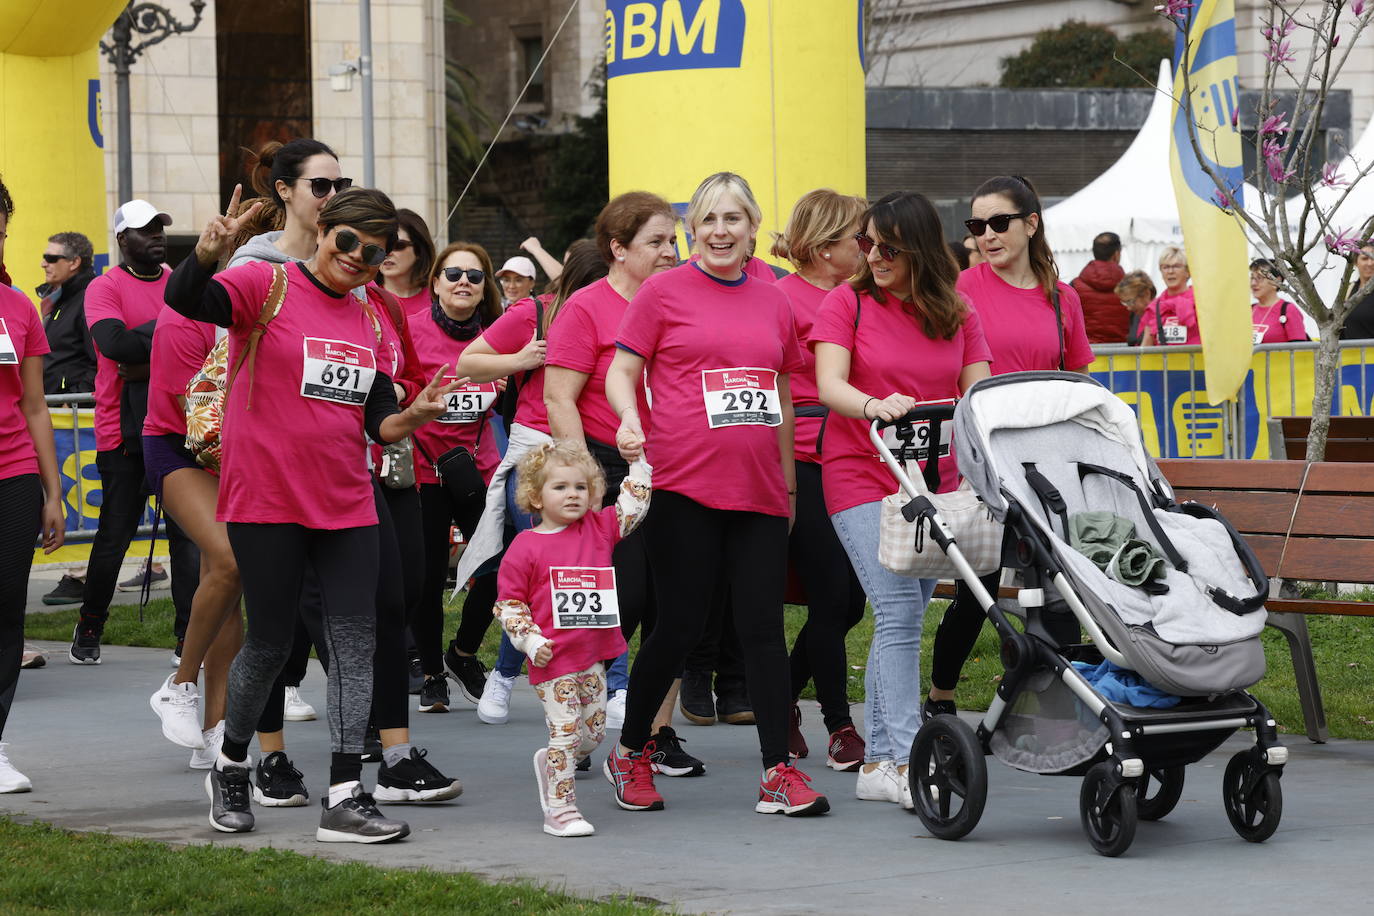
x=1342, y=648
x=42, y=866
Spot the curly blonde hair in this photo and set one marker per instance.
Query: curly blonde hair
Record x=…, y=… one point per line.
x=534, y=468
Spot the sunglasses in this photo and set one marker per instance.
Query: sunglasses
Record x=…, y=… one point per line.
x=866, y=245
x=345, y=241
x=54, y=258
x=454, y=274
x=999, y=223
x=402, y=245
x=320, y=186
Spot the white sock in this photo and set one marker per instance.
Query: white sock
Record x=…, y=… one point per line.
x=342, y=791
x=222, y=761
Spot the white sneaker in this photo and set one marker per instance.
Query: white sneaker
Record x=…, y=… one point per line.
x=11, y=780
x=204, y=758
x=882, y=783
x=615, y=709
x=296, y=709
x=494, y=707
x=178, y=706
x=904, y=784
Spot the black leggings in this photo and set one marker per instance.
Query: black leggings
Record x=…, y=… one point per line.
x=438, y=512
x=20, y=521
x=272, y=561
x=958, y=632
x=634, y=584
x=692, y=548
x=835, y=601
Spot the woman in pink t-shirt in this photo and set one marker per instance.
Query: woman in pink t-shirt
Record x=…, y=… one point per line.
x=719, y=347
x=406, y=270
x=897, y=335
x=294, y=488
x=820, y=241
x=1273, y=319
x=1171, y=320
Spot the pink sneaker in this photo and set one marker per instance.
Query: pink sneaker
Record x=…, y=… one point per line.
x=633, y=777
x=786, y=792
x=846, y=751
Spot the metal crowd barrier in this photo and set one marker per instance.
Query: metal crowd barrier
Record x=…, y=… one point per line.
x=74, y=436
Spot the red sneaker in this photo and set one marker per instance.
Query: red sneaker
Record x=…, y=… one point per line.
x=796, y=744
x=633, y=777
x=786, y=792
x=846, y=750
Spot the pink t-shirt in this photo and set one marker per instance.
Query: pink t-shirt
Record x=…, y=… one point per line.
x=297, y=457
x=1268, y=328
x=21, y=336
x=120, y=295
x=1019, y=323
x=526, y=575
x=754, y=267
x=714, y=351
x=509, y=334
x=419, y=302
x=1173, y=311
x=180, y=346
x=585, y=342
x=457, y=426
x=806, y=303
x=889, y=352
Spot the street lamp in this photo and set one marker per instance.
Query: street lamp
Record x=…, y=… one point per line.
x=156, y=23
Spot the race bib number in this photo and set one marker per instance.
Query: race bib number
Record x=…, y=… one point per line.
x=1174, y=333
x=918, y=449
x=584, y=597
x=9, y=356
x=1260, y=330
x=743, y=396
x=467, y=404
x=337, y=371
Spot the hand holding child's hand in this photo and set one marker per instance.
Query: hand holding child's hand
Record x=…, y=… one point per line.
x=544, y=655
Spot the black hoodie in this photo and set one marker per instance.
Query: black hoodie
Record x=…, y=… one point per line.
x=71, y=364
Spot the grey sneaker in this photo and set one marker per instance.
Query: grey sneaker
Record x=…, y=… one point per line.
x=229, y=806
x=357, y=820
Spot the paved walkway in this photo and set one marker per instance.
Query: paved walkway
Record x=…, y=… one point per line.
x=86, y=737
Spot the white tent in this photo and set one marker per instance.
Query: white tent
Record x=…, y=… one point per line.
x=1134, y=198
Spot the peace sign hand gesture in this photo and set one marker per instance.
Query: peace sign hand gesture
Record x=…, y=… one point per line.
x=222, y=229
x=431, y=402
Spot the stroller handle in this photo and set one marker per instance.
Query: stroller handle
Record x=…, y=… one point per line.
x=919, y=414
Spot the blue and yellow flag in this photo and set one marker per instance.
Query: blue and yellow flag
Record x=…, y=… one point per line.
x=1217, y=252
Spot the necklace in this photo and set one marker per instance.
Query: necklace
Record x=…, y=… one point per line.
x=143, y=276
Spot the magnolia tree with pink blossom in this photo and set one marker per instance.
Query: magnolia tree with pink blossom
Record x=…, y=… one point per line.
x=1307, y=45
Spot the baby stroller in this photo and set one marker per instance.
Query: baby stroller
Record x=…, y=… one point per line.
x=1039, y=448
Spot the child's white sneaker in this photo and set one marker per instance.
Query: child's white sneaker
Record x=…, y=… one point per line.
x=567, y=821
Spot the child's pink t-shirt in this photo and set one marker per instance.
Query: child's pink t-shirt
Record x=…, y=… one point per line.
x=714, y=351
x=296, y=457
x=1172, y=311
x=806, y=304
x=585, y=342
x=511, y=333
x=120, y=295
x=468, y=407
x=1267, y=327
x=889, y=353
x=180, y=345
x=537, y=562
x=21, y=336
x=1019, y=324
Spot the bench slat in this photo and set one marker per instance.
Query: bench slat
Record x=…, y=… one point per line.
x=1192, y=473
x=1332, y=516
x=1326, y=560
x=1339, y=608
x=1248, y=511
x=1340, y=477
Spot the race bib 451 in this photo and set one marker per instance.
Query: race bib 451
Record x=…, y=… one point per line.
x=337, y=371
x=467, y=403
x=584, y=597
x=741, y=396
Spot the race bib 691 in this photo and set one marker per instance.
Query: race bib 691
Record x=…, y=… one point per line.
x=337, y=371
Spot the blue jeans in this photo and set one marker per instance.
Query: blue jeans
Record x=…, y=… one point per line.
x=618, y=673
x=508, y=658
x=892, y=680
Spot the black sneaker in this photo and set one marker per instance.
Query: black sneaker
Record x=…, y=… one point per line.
x=932, y=708
x=413, y=780
x=357, y=820
x=70, y=590
x=695, y=698
x=372, y=745
x=732, y=706
x=85, y=648
x=434, y=695
x=469, y=672
x=670, y=759
x=417, y=675
x=584, y=765
x=228, y=791
x=279, y=784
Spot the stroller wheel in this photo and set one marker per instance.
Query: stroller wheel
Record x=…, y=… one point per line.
x=948, y=777
x=1168, y=786
x=1253, y=798
x=1107, y=805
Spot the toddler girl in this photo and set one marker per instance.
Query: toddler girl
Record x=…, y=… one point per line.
x=557, y=603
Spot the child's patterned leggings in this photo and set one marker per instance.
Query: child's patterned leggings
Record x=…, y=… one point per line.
x=575, y=710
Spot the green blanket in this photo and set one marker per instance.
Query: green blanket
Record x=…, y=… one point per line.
x=1110, y=542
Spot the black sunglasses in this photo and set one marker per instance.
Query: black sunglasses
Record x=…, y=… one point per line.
x=999, y=223
x=345, y=241
x=402, y=245
x=866, y=245
x=54, y=258
x=454, y=274
x=320, y=186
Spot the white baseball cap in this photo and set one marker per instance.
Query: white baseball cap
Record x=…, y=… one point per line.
x=136, y=214
x=518, y=265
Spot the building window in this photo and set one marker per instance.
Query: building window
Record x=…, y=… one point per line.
x=531, y=47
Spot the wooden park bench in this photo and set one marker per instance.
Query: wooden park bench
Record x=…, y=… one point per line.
x=1304, y=522
x=1349, y=438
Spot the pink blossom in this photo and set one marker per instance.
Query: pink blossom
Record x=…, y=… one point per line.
x=1175, y=9
x=1235, y=117
x=1274, y=124
x=1345, y=241
x=1278, y=173
x=1223, y=199
x=1280, y=53
x=1272, y=149
x=1335, y=41
x=1357, y=8
x=1331, y=178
